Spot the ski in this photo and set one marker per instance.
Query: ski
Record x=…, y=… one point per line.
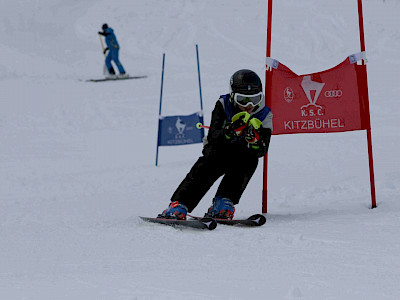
x=115, y=79
x=252, y=221
x=200, y=223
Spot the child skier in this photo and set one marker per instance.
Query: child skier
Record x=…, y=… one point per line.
x=239, y=134
x=113, y=54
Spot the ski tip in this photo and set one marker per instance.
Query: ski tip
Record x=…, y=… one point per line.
x=209, y=222
x=258, y=219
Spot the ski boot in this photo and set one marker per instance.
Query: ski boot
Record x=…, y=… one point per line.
x=222, y=208
x=111, y=74
x=123, y=75
x=175, y=210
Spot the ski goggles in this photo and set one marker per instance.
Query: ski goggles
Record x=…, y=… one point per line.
x=246, y=100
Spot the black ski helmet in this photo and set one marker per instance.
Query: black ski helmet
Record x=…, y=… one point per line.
x=104, y=27
x=245, y=82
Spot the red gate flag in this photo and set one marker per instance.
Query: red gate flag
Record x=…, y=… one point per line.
x=335, y=100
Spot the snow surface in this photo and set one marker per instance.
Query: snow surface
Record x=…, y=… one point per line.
x=77, y=159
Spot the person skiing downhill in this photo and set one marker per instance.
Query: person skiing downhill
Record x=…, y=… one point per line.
x=113, y=54
x=239, y=134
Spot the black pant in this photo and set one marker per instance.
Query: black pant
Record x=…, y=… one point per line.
x=237, y=168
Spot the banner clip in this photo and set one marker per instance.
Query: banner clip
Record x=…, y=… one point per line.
x=271, y=63
x=357, y=57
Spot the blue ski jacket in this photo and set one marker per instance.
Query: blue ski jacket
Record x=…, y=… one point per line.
x=111, y=39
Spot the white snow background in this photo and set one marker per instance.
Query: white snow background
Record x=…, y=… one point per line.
x=77, y=159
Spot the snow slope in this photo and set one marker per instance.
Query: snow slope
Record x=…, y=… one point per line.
x=77, y=158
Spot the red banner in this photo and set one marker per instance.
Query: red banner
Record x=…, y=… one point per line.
x=334, y=100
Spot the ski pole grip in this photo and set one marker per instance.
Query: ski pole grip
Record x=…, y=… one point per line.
x=199, y=126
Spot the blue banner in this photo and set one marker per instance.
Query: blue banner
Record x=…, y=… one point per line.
x=180, y=130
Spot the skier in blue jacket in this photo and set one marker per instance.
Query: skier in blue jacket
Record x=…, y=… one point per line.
x=113, y=48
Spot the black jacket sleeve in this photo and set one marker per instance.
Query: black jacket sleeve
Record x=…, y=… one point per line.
x=217, y=125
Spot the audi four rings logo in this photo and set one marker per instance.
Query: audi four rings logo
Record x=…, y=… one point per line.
x=333, y=93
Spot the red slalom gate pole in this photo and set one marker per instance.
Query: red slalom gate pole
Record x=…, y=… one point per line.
x=369, y=137
x=268, y=102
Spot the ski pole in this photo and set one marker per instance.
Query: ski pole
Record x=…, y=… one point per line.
x=102, y=45
x=105, y=69
x=199, y=126
x=194, y=217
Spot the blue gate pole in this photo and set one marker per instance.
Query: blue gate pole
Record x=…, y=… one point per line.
x=159, y=112
x=198, y=71
x=201, y=97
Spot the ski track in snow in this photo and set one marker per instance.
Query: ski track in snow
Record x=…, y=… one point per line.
x=77, y=158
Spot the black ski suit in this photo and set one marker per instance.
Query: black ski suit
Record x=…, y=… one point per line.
x=231, y=158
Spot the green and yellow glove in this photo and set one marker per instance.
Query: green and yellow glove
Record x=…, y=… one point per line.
x=237, y=126
x=251, y=133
